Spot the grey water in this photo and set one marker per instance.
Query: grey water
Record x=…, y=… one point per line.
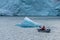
x=8, y=30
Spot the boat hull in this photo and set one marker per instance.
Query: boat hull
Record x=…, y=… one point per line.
x=40, y=30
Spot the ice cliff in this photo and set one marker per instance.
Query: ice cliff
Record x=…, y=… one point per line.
x=29, y=7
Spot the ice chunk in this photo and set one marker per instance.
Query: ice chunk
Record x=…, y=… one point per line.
x=28, y=23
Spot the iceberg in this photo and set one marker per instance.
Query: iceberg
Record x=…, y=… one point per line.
x=28, y=23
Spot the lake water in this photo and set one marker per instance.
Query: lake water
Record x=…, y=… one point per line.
x=8, y=30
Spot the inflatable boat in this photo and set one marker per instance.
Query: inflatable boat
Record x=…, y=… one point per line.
x=47, y=30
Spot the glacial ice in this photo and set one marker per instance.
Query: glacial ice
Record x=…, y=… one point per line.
x=28, y=23
x=29, y=7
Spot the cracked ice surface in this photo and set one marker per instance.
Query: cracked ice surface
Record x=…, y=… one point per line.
x=29, y=7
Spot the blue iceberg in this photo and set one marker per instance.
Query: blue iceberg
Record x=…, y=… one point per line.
x=28, y=23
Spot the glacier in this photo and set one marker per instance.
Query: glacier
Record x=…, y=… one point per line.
x=29, y=7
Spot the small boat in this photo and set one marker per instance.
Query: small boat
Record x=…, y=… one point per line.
x=47, y=30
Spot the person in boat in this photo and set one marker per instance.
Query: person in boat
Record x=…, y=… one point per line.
x=43, y=28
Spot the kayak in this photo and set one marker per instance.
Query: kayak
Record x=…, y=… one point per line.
x=47, y=30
